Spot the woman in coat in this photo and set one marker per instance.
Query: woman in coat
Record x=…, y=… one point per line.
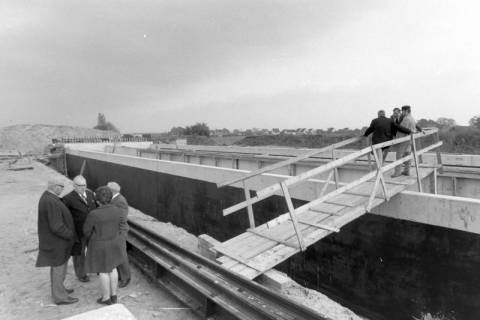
x=105, y=250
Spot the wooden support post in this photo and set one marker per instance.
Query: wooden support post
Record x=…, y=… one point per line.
x=439, y=155
x=378, y=161
x=291, y=210
x=335, y=174
x=292, y=170
x=435, y=183
x=415, y=159
x=374, y=192
x=251, y=218
x=454, y=181
x=327, y=183
x=259, y=164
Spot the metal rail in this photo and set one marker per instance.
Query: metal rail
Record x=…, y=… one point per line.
x=208, y=288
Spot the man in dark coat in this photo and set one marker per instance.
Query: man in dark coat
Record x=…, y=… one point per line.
x=119, y=201
x=384, y=129
x=80, y=202
x=56, y=235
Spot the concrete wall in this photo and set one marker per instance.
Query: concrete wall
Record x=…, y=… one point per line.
x=381, y=267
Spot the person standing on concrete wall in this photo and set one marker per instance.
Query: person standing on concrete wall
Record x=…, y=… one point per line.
x=80, y=202
x=56, y=236
x=119, y=201
x=404, y=148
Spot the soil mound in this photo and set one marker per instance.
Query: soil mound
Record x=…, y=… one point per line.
x=28, y=138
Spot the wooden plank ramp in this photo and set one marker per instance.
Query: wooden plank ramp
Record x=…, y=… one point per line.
x=261, y=248
x=337, y=203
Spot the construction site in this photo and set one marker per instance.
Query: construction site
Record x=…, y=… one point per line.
x=272, y=227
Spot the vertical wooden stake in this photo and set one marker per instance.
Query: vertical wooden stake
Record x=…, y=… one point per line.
x=415, y=159
x=439, y=155
x=378, y=161
x=454, y=180
x=335, y=171
x=251, y=218
x=325, y=186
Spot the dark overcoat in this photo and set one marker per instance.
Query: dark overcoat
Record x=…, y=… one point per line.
x=56, y=231
x=120, y=202
x=106, y=247
x=384, y=129
x=79, y=208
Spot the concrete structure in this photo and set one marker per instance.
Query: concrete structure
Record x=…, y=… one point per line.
x=419, y=251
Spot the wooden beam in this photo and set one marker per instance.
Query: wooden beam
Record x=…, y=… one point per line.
x=267, y=192
x=251, y=218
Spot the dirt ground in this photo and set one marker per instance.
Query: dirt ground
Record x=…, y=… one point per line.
x=25, y=290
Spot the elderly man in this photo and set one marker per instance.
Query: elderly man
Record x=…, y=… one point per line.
x=56, y=235
x=403, y=149
x=80, y=202
x=119, y=201
x=383, y=129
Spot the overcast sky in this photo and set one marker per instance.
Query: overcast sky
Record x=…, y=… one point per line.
x=152, y=65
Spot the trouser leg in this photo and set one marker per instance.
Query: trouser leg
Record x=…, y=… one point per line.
x=79, y=261
x=403, y=149
x=124, y=271
x=57, y=278
x=408, y=163
x=124, y=268
x=384, y=154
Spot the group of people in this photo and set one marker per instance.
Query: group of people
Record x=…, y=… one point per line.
x=400, y=124
x=89, y=227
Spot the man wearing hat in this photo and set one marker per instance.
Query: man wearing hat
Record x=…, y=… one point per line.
x=404, y=148
x=56, y=235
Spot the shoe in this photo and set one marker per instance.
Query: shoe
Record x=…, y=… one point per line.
x=395, y=175
x=406, y=173
x=123, y=284
x=84, y=279
x=113, y=299
x=106, y=302
x=69, y=300
x=69, y=290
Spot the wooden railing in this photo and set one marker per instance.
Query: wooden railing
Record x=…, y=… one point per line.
x=332, y=166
